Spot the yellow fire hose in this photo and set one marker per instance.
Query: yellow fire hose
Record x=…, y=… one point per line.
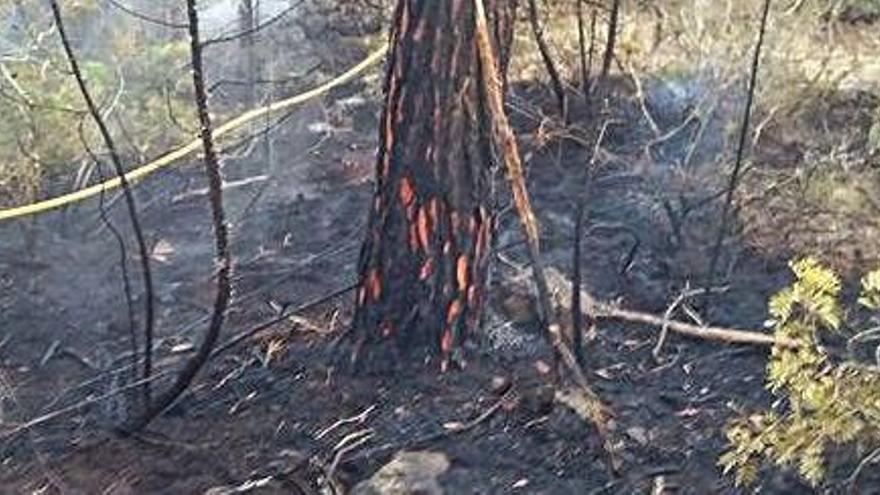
x=194, y=145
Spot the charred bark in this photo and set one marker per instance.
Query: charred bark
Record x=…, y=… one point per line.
x=423, y=264
x=552, y=71
x=610, y=41
x=586, y=53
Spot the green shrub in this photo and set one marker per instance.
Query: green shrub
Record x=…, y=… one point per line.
x=138, y=78
x=821, y=403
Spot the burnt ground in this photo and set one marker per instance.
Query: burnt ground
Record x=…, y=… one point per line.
x=257, y=412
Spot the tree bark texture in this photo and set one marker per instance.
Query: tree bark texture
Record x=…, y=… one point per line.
x=424, y=261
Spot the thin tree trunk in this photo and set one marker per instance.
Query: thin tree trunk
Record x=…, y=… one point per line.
x=423, y=264
x=131, y=204
x=740, y=150
x=222, y=255
x=544, y=50
x=586, y=51
x=247, y=23
x=610, y=40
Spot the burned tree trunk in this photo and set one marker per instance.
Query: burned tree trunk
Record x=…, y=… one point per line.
x=423, y=264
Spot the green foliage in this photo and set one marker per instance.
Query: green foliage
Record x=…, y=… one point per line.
x=870, y=297
x=138, y=78
x=822, y=403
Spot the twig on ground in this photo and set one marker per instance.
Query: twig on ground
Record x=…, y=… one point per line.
x=667, y=316
x=226, y=186
x=665, y=328
x=357, y=418
x=607, y=311
x=283, y=316
x=349, y=443
x=457, y=429
x=692, y=313
x=44, y=418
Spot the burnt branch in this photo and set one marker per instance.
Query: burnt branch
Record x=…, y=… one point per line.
x=146, y=271
x=251, y=31
x=740, y=150
x=222, y=256
x=145, y=17
x=585, y=50
x=123, y=251
x=610, y=41
x=544, y=49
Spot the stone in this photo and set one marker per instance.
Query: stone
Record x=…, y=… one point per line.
x=638, y=434
x=408, y=473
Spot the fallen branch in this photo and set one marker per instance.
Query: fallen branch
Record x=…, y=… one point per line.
x=729, y=335
x=600, y=310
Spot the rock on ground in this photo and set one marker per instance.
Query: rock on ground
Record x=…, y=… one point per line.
x=408, y=473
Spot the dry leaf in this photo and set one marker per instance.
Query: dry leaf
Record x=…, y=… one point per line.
x=162, y=251
x=521, y=483
x=542, y=367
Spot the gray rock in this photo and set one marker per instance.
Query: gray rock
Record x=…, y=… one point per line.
x=407, y=474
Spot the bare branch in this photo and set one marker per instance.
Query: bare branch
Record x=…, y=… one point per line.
x=144, y=17
x=610, y=41
x=740, y=150
x=129, y=196
x=123, y=252
x=253, y=30
x=586, y=53
x=222, y=255
x=601, y=310
x=555, y=79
